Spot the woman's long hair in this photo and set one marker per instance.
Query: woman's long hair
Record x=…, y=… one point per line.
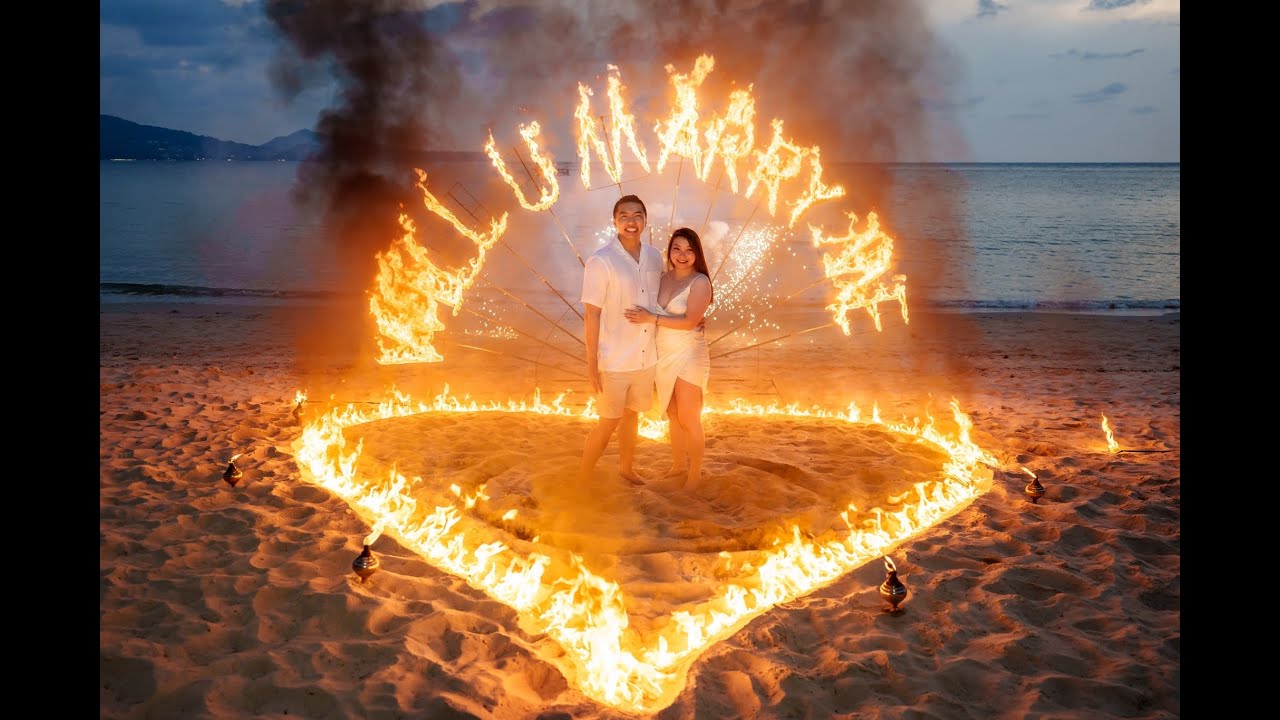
x=700, y=258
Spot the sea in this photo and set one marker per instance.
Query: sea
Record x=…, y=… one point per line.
x=1097, y=237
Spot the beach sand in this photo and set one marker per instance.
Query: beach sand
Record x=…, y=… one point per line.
x=230, y=602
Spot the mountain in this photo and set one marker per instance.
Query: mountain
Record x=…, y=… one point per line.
x=121, y=139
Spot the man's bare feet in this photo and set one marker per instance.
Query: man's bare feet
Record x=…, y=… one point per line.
x=676, y=471
x=632, y=476
x=693, y=484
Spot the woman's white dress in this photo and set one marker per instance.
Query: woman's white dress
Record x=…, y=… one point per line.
x=681, y=353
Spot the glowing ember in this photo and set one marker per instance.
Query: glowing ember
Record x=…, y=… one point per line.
x=609, y=659
x=1112, y=445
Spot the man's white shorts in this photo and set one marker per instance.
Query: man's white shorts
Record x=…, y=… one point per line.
x=631, y=390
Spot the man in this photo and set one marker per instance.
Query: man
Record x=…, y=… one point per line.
x=621, y=356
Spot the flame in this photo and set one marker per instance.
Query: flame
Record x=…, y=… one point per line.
x=680, y=136
x=608, y=659
x=1033, y=475
x=551, y=192
x=300, y=397
x=817, y=191
x=731, y=145
x=409, y=289
x=623, y=123
x=862, y=259
x=1112, y=445
x=771, y=169
x=888, y=565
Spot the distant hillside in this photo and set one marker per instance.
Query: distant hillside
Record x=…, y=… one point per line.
x=121, y=139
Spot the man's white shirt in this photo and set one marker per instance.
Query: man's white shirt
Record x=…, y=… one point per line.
x=613, y=281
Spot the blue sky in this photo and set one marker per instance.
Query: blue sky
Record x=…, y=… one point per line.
x=1011, y=81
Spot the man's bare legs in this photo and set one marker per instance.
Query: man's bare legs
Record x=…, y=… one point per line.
x=688, y=400
x=679, y=458
x=597, y=440
x=628, y=435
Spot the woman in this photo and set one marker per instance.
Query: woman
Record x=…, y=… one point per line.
x=684, y=365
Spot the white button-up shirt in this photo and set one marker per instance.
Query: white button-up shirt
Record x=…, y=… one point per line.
x=613, y=282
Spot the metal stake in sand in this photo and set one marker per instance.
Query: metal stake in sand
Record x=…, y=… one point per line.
x=528, y=172
x=518, y=331
x=535, y=310
x=512, y=250
x=537, y=363
x=892, y=588
x=773, y=340
x=733, y=244
x=707, y=217
x=784, y=301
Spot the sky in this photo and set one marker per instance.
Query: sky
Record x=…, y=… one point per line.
x=1011, y=81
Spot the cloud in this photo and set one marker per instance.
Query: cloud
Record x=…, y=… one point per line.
x=1145, y=110
x=1104, y=5
x=1090, y=55
x=1028, y=116
x=1102, y=94
x=990, y=8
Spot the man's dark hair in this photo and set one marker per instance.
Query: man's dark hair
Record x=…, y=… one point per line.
x=627, y=199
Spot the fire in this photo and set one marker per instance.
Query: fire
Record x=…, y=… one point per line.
x=1033, y=475
x=680, y=136
x=607, y=658
x=551, y=192
x=862, y=259
x=731, y=136
x=772, y=168
x=1112, y=445
x=888, y=564
x=623, y=124
x=410, y=288
x=300, y=397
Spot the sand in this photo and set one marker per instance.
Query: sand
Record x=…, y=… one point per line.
x=229, y=602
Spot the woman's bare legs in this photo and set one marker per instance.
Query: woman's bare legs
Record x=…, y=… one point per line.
x=688, y=400
x=679, y=458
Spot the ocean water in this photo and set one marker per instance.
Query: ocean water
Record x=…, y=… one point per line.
x=1052, y=237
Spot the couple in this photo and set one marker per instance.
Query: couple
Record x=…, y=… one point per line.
x=644, y=328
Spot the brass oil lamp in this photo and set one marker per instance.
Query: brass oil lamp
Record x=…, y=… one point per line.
x=892, y=588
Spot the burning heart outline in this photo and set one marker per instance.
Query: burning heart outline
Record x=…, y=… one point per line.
x=651, y=678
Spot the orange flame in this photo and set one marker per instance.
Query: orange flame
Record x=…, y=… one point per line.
x=771, y=169
x=1033, y=475
x=888, y=565
x=863, y=258
x=623, y=124
x=1112, y=445
x=680, y=137
x=409, y=289
x=817, y=190
x=731, y=136
x=607, y=658
x=551, y=192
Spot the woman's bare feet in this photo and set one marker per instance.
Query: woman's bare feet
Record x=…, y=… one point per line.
x=676, y=471
x=632, y=476
x=693, y=484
